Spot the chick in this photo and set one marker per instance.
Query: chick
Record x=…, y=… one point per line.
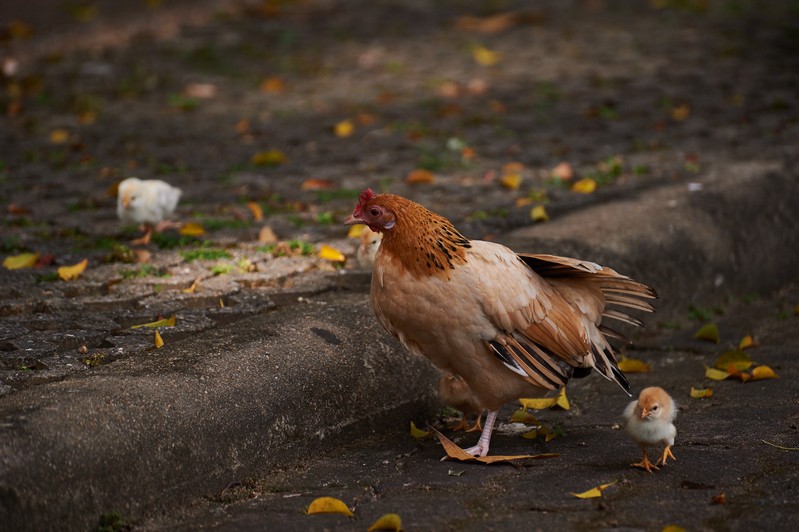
x=370, y=242
x=148, y=202
x=454, y=392
x=649, y=421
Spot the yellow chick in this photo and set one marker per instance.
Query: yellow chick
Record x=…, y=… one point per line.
x=370, y=242
x=649, y=421
x=149, y=202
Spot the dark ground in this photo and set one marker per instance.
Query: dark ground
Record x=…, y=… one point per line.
x=644, y=97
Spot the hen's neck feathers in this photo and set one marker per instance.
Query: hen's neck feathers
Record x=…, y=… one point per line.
x=424, y=242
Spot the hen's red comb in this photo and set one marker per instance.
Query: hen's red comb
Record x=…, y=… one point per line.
x=365, y=196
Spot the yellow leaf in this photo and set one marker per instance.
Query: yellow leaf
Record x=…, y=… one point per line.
x=486, y=57
x=561, y=400
x=269, y=158
x=355, y=231
x=387, y=522
x=345, y=129
x=221, y=303
x=70, y=273
x=673, y=528
x=633, y=365
x=331, y=253
x=159, y=342
x=539, y=404
x=267, y=235
x=419, y=176
x=273, y=85
x=763, y=372
x=699, y=393
x=192, y=229
x=419, y=433
x=681, y=112
x=708, y=332
x=23, y=260
x=193, y=288
x=737, y=359
x=747, y=342
x=328, y=505
x=522, y=416
x=584, y=186
x=456, y=453
x=166, y=322
x=256, y=210
x=531, y=435
x=594, y=492
x=59, y=136
x=716, y=374
x=511, y=181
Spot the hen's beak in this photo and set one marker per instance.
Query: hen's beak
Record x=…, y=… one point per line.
x=352, y=220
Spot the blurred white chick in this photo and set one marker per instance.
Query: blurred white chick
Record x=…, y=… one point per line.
x=370, y=242
x=148, y=203
x=649, y=421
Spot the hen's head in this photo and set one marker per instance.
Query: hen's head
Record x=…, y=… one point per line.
x=373, y=212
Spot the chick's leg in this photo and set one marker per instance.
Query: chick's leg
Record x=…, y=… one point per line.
x=461, y=424
x=481, y=449
x=666, y=453
x=144, y=239
x=645, y=463
x=478, y=426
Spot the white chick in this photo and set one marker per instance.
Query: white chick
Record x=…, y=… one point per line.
x=370, y=243
x=649, y=421
x=148, y=202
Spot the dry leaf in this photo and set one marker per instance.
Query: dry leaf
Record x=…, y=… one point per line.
x=387, y=522
x=699, y=393
x=70, y=273
x=159, y=342
x=456, y=453
x=489, y=24
x=221, y=303
x=747, y=342
x=539, y=404
x=737, y=359
x=59, y=136
x=356, y=231
x=584, y=186
x=485, y=57
x=192, y=229
x=266, y=235
x=331, y=253
x=328, y=505
x=511, y=181
x=681, y=112
x=594, y=492
x=193, y=288
x=273, y=85
x=256, y=210
x=716, y=374
x=317, y=184
x=780, y=446
x=718, y=499
x=539, y=213
x=344, y=129
x=269, y=158
x=563, y=172
x=708, y=332
x=166, y=322
x=673, y=528
x=738, y=374
x=633, y=365
x=142, y=256
x=23, y=260
x=561, y=400
x=512, y=168
x=419, y=433
x=419, y=176
x=763, y=372
x=523, y=416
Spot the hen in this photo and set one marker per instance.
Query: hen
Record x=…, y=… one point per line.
x=510, y=325
x=149, y=202
x=649, y=421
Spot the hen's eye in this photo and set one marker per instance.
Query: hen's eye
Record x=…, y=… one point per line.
x=374, y=211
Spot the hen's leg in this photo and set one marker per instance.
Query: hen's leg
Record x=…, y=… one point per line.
x=481, y=449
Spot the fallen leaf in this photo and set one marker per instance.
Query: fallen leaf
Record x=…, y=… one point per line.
x=419, y=433
x=699, y=393
x=330, y=253
x=59, y=136
x=13, y=208
x=747, y=342
x=512, y=168
x=419, y=176
x=539, y=403
x=273, y=85
x=673, y=528
x=192, y=229
x=561, y=400
x=763, y=372
x=317, y=184
x=539, y=214
x=738, y=374
x=489, y=24
x=23, y=260
x=269, y=158
x=366, y=119
x=166, y=322
x=266, y=235
x=485, y=57
x=523, y=416
x=716, y=374
x=142, y=256
x=344, y=129
x=356, y=231
x=456, y=453
x=681, y=112
x=159, y=342
x=256, y=210
x=193, y=288
x=328, y=505
x=201, y=91
x=718, y=499
x=387, y=522
x=633, y=365
x=594, y=492
x=780, y=446
x=221, y=303
x=530, y=435
x=511, y=181
x=70, y=273
x=584, y=186
x=563, y=172
x=453, y=473
x=708, y=332
x=737, y=359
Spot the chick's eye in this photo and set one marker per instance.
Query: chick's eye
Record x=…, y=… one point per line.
x=654, y=408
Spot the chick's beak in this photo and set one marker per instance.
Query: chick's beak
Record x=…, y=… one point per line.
x=644, y=413
x=126, y=200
